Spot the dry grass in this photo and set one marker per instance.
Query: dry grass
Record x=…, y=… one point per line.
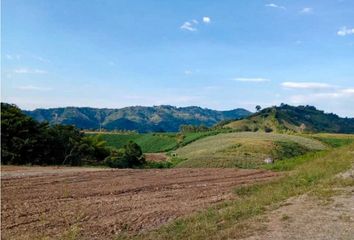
x=245, y=149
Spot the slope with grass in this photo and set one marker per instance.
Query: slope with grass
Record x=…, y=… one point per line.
x=244, y=149
x=286, y=118
x=154, y=142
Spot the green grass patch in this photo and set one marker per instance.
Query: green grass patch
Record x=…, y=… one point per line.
x=335, y=140
x=172, y=162
x=245, y=150
x=154, y=142
x=227, y=220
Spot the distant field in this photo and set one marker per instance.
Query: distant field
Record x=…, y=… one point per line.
x=245, y=149
x=153, y=142
x=333, y=139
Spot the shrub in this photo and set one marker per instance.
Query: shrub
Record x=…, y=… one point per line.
x=129, y=156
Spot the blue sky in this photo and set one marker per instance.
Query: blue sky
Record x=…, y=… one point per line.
x=216, y=54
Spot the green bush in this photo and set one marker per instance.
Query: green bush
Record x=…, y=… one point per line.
x=130, y=156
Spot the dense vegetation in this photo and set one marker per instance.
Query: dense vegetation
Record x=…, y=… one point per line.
x=130, y=156
x=26, y=141
x=287, y=118
x=142, y=119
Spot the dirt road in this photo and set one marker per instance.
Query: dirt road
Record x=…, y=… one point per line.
x=101, y=204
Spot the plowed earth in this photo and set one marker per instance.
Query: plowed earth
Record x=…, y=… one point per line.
x=101, y=204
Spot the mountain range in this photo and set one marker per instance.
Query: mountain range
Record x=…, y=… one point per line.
x=286, y=118
x=142, y=119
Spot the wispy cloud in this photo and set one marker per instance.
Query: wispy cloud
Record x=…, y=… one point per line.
x=29, y=71
x=206, y=19
x=254, y=80
x=188, y=72
x=306, y=85
x=273, y=5
x=13, y=56
x=41, y=59
x=33, y=88
x=346, y=93
x=343, y=31
x=306, y=10
x=190, y=26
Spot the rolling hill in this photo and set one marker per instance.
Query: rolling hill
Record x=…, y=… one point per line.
x=286, y=118
x=244, y=149
x=142, y=119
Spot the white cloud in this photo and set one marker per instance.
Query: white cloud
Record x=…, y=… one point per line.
x=306, y=85
x=13, y=57
x=33, y=88
x=348, y=91
x=41, y=59
x=251, y=80
x=206, y=19
x=188, y=72
x=29, y=71
x=338, y=94
x=273, y=5
x=190, y=26
x=343, y=31
x=306, y=10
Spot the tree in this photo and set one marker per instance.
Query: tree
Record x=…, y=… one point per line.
x=129, y=156
x=26, y=141
x=258, y=108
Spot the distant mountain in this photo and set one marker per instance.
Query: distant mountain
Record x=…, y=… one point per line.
x=142, y=119
x=294, y=119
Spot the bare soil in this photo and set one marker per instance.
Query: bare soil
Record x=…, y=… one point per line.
x=99, y=204
x=156, y=157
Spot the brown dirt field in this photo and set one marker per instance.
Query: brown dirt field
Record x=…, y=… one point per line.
x=102, y=204
x=156, y=157
x=9, y=171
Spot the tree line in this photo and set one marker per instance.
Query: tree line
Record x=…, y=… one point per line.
x=26, y=141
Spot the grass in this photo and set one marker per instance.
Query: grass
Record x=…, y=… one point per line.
x=228, y=220
x=334, y=140
x=172, y=162
x=245, y=149
x=154, y=142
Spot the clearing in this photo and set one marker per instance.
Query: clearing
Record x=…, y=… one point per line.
x=92, y=204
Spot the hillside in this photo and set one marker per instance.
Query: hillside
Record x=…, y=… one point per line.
x=293, y=119
x=244, y=149
x=153, y=142
x=142, y=119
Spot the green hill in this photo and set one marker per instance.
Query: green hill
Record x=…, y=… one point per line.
x=287, y=118
x=245, y=149
x=142, y=119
